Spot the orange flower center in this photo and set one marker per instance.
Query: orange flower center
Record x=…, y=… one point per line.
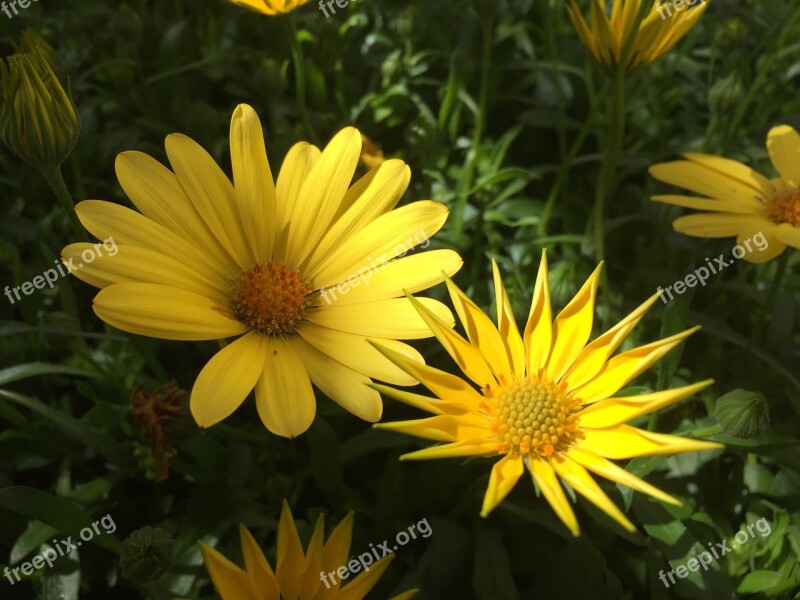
x=536, y=417
x=271, y=298
x=784, y=207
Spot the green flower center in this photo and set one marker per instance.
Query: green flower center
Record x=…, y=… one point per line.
x=271, y=298
x=784, y=207
x=535, y=416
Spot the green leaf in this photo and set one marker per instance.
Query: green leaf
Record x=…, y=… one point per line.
x=24, y=371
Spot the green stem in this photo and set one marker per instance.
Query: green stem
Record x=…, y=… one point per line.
x=777, y=281
x=299, y=75
x=56, y=181
x=705, y=431
x=480, y=123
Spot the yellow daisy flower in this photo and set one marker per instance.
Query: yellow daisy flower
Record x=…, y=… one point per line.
x=299, y=575
x=301, y=269
x=270, y=7
x=739, y=201
x=657, y=33
x=546, y=399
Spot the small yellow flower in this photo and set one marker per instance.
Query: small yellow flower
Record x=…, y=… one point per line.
x=270, y=7
x=299, y=270
x=657, y=33
x=737, y=200
x=546, y=400
x=38, y=120
x=299, y=574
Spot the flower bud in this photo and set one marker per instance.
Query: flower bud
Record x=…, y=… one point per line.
x=31, y=42
x=38, y=120
x=742, y=414
x=725, y=95
x=146, y=555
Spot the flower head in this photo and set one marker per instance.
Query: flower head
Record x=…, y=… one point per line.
x=299, y=574
x=545, y=399
x=38, y=120
x=738, y=201
x=270, y=7
x=302, y=270
x=660, y=29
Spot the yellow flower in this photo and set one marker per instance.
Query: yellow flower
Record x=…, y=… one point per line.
x=302, y=270
x=270, y=7
x=299, y=575
x=660, y=29
x=739, y=201
x=38, y=120
x=547, y=399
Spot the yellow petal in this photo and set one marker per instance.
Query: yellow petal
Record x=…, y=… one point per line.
x=365, y=581
x=253, y=183
x=230, y=580
x=594, y=356
x=384, y=189
x=624, y=367
x=468, y=358
x=157, y=193
x=772, y=245
x=392, y=319
x=572, y=328
x=786, y=236
x=482, y=333
x=783, y=144
x=505, y=474
x=291, y=558
x=443, y=428
x=127, y=227
x=311, y=581
x=295, y=169
x=432, y=405
x=211, y=193
x=710, y=205
x=337, y=548
x=227, y=379
x=716, y=225
x=322, y=192
x=454, y=450
x=134, y=264
x=624, y=441
x=388, y=236
x=284, y=396
x=340, y=383
x=164, y=312
x=258, y=568
x=734, y=170
x=605, y=468
x=538, y=336
x=700, y=178
x=545, y=477
x=412, y=274
x=406, y=595
x=355, y=352
x=614, y=411
x=446, y=386
x=507, y=325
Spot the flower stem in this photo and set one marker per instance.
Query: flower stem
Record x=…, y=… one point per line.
x=56, y=180
x=777, y=281
x=299, y=75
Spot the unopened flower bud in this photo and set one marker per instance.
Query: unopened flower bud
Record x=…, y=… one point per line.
x=146, y=555
x=38, y=120
x=742, y=414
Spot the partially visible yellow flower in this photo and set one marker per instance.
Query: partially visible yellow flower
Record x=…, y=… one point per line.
x=38, y=120
x=299, y=271
x=299, y=574
x=545, y=399
x=371, y=153
x=270, y=7
x=657, y=33
x=737, y=200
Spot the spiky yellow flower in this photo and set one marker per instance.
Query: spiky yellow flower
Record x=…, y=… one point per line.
x=298, y=575
x=302, y=270
x=737, y=200
x=660, y=29
x=546, y=400
x=270, y=7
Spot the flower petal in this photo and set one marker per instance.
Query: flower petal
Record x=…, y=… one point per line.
x=507, y=325
x=505, y=474
x=699, y=177
x=291, y=557
x=258, y=568
x=227, y=379
x=545, y=477
x=298, y=163
x=538, y=335
x=624, y=441
x=231, y=581
x=164, y=312
x=783, y=144
x=284, y=396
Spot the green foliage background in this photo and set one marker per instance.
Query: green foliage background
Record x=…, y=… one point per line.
x=409, y=75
